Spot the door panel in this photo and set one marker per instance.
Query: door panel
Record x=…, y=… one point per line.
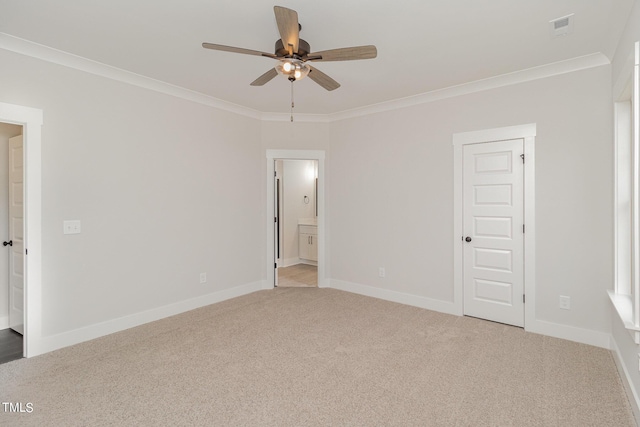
x=492, y=259
x=492, y=218
x=492, y=195
x=493, y=227
x=491, y=291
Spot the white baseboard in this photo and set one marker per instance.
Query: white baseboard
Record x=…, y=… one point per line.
x=295, y=261
x=265, y=285
x=571, y=333
x=65, y=339
x=4, y=322
x=634, y=401
x=417, y=301
x=288, y=262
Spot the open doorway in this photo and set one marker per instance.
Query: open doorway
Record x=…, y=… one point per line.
x=12, y=237
x=296, y=222
x=316, y=217
x=31, y=121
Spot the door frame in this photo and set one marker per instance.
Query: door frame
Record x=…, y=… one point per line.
x=31, y=121
x=272, y=156
x=527, y=133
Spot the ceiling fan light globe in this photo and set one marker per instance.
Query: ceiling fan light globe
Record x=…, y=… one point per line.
x=304, y=70
x=292, y=68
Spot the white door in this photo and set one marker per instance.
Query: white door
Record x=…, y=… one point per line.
x=493, y=240
x=277, y=242
x=16, y=235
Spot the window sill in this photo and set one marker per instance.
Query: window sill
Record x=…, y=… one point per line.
x=624, y=307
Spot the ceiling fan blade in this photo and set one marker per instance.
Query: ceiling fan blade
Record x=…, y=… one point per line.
x=344, y=54
x=265, y=78
x=288, y=27
x=322, y=79
x=237, y=50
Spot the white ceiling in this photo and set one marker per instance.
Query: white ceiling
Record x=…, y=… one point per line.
x=423, y=45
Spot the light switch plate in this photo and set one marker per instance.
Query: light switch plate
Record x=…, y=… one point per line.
x=72, y=227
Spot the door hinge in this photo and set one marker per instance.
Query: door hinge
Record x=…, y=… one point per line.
x=523, y=298
x=275, y=219
x=522, y=157
x=522, y=228
x=275, y=173
x=275, y=265
x=26, y=251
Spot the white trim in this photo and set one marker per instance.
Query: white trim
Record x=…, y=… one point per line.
x=295, y=261
x=622, y=150
x=447, y=307
x=635, y=186
x=634, y=401
x=583, y=336
x=530, y=228
x=286, y=117
x=318, y=155
x=45, y=53
x=98, y=330
x=31, y=120
x=566, y=332
x=623, y=305
x=522, y=76
x=492, y=135
x=289, y=262
x=526, y=132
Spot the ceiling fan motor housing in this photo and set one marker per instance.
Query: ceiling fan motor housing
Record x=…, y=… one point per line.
x=303, y=49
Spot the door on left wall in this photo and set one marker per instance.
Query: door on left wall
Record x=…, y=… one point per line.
x=15, y=243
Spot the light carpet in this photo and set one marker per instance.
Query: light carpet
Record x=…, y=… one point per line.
x=316, y=357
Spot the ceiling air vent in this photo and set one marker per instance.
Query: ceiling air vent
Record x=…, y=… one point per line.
x=562, y=26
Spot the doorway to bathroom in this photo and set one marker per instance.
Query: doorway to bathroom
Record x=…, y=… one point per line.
x=12, y=231
x=295, y=232
x=296, y=222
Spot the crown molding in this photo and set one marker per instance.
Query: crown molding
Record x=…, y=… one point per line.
x=45, y=53
x=286, y=117
x=535, y=73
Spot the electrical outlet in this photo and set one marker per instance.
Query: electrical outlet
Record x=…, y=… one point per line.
x=565, y=302
x=71, y=227
x=203, y=277
x=381, y=272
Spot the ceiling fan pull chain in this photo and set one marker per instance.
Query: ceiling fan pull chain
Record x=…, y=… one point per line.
x=292, y=105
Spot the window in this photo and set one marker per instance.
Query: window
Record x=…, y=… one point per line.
x=626, y=295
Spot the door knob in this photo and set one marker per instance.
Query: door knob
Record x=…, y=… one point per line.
x=468, y=239
x=9, y=243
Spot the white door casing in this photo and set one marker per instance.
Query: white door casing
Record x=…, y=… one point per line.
x=526, y=132
x=493, y=231
x=31, y=121
x=16, y=234
x=296, y=155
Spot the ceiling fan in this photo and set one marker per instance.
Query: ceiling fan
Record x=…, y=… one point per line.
x=294, y=54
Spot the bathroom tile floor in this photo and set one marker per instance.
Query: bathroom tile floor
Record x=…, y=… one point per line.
x=298, y=276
